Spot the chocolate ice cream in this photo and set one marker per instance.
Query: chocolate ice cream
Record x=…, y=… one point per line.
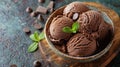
x=61, y=48
x=73, y=8
x=90, y=21
x=80, y=45
x=93, y=35
x=104, y=30
x=56, y=33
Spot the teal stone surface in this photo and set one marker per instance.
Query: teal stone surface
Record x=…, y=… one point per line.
x=14, y=42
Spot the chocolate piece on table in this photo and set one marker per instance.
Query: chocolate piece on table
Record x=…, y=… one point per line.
x=13, y=65
x=37, y=63
x=75, y=16
x=34, y=14
x=50, y=5
x=37, y=26
x=40, y=17
x=41, y=1
x=26, y=30
x=29, y=10
x=41, y=9
x=51, y=10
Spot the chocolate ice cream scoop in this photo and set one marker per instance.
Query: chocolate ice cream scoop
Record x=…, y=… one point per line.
x=74, y=8
x=90, y=21
x=58, y=23
x=104, y=30
x=80, y=45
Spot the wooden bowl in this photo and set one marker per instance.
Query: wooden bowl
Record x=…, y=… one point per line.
x=59, y=11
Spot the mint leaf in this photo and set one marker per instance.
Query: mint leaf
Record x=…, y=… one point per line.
x=75, y=27
x=34, y=36
x=41, y=36
x=33, y=47
x=74, y=31
x=67, y=30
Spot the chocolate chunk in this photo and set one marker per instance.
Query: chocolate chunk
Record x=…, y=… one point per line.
x=37, y=26
x=51, y=10
x=26, y=29
x=13, y=65
x=40, y=17
x=37, y=63
x=41, y=1
x=34, y=14
x=41, y=9
x=75, y=16
x=29, y=10
x=50, y=5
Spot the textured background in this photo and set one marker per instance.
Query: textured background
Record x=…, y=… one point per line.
x=14, y=42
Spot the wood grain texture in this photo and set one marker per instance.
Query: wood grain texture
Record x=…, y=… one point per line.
x=104, y=60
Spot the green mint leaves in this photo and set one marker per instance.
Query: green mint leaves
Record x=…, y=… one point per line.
x=74, y=28
x=33, y=47
x=36, y=37
x=41, y=36
x=67, y=30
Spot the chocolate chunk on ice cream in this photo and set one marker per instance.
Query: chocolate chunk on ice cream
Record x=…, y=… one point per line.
x=74, y=7
x=90, y=21
x=80, y=45
x=58, y=23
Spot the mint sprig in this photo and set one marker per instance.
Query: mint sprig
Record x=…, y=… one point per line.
x=36, y=37
x=67, y=29
x=33, y=47
x=74, y=29
x=41, y=36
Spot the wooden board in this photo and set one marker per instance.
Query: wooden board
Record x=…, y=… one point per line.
x=103, y=61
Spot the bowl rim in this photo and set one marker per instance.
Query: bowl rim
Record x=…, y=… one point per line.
x=81, y=59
